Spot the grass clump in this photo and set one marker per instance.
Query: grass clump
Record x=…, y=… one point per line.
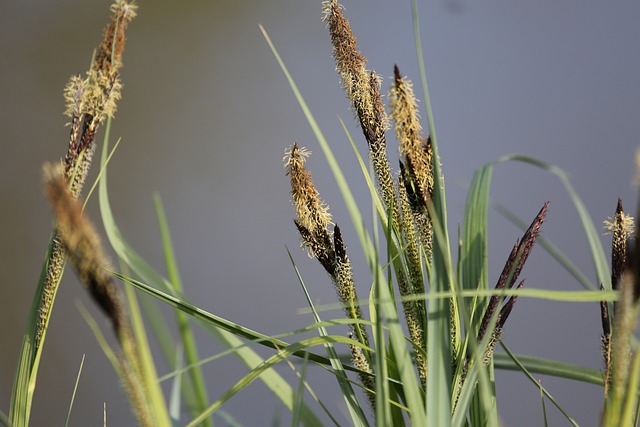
x=426, y=355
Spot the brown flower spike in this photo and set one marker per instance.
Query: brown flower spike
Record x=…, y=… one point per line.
x=363, y=90
x=413, y=148
x=511, y=271
x=89, y=102
x=313, y=221
x=83, y=247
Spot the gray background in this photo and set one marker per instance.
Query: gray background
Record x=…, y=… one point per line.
x=205, y=117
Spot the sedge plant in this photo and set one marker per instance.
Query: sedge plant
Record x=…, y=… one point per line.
x=422, y=344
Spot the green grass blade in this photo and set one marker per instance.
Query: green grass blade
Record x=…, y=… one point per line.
x=225, y=332
x=410, y=385
x=543, y=294
x=597, y=252
x=176, y=387
x=544, y=408
x=542, y=389
x=355, y=409
x=100, y=338
x=439, y=379
x=299, y=396
x=272, y=380
x=630, y=398
x=75, y=389
x=147, y=364
x=383, y=407
x=474, y=240
x=554, y=368
x=186, y=333
x=459, y=418
x=438, y=333
x=267, y=364
x=474, y=275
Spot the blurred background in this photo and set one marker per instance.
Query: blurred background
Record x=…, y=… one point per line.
x=206, y=115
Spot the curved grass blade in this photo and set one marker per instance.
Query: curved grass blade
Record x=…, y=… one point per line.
x=147, y=364
x=272, y=380
x=186, y=333
x=597, y=252
x=538, y=365
x=355, y=409
x=299, y=347
x=225, y=331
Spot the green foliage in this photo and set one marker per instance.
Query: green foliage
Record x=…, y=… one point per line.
x=460, y=386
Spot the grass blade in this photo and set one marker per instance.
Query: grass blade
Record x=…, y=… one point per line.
x=355, y=410
x=438, y=341
x=283, y=353
x=147, y=364
x=75, y=389
x=542, y=389
x=174, y=401
x=538, y=365
x=597, y=252
x=188, y=340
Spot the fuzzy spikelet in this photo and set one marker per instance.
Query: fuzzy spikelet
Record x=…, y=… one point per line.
x=410, y=237
x=74, y=96
x=345, y=285
x=350, y=63
x=91, y=100
x=311, y=211
x=109, y=57
x=606, y=343
x=413, y=148
x=621, y=227
x=54, y=269
x=360, y=361
x=313, y=221
x=416, y=153
x=88, y=102
x=312, y=214
x=363, y=90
